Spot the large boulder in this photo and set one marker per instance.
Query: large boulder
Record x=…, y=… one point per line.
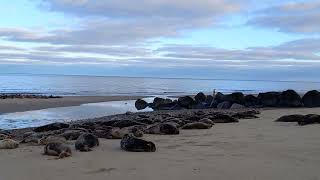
x=290, y=98
x=269, y=99
x=224, y=105
x=251, y=101
x=209, y=100
x=186, y=102
x=311, y=99
x=236, y=97
x=200, y=97
x=141, y=104
x=163, y=104
x=237, y=106
x=219, y=97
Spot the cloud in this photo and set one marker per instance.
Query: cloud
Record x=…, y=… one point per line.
x=304, y=49
x=125, y=22
x=294, y=17
x=298, y=53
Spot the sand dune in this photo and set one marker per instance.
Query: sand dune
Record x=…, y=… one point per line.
x=252, y=149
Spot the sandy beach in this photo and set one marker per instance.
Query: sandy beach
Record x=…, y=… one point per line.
x=252, y=149
x=19, y=105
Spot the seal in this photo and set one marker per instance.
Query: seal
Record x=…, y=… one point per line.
x=57, y=149
x=4, y=136
x=52, y=139
x=8, y=144
x=197, y=125
x=133, y=144
x=163, y=128
x=117, y=133
x=86, y=141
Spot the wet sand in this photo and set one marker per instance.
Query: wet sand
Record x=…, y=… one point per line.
x=19, y=105
x=252, y=149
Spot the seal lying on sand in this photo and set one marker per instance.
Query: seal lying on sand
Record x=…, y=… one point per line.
x=163, y=128
x=52, y=139
x=117, y=133
x=86, y=141
x=57, y=149
x=197, y=125
x=133, y=144
x=8, y=144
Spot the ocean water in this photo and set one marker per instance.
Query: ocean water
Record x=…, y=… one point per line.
x=67, y=114
x=107, y=86
x=99, y=85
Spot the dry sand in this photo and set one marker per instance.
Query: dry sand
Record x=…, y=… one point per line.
x=252, y=149
x=19, y=105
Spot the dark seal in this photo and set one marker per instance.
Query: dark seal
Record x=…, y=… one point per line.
x=133, y=144
x=86, y=141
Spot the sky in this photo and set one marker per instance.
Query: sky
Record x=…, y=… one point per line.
x=233, y=39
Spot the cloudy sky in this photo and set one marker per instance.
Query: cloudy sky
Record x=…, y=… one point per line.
x=239, y=39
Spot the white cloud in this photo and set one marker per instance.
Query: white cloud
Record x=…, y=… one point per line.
x=296, y=17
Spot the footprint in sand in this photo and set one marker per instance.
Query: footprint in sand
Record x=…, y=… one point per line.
x=101, y=170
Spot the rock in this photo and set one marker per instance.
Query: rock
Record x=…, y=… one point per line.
x=236, y=97
x=207, y=121
x=126, y=123
x=311, y=99
x=209, y=101
x=141, y=104
x=186, y=102
x=223, y=118
x=57, y=149
x=224, y=105
x=237, y=106
x=290, y=98
x=197, y=125
x=309, y=119
x=8, y=144
x=163, y=129
x=51, y=127
x=269, y=99
x=86, y=141
x=163, y=104
x=291, y=118
x=219, y=97
x=145, y=121
x=251, y=101
x=134, y=144
x=200, y=97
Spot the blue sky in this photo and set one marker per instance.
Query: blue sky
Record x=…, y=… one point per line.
x=191, y=38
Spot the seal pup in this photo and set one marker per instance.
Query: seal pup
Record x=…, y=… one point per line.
x=57, y=149
x=133, y=144
x=8, y=144
x=197, y=125
x=86, y=141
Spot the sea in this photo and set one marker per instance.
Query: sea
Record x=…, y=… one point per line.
x=71, y=85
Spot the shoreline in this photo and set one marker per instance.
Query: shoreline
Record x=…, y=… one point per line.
x=20, y=105
x=226, y=152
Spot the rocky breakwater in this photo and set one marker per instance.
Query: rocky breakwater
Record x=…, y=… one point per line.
x=236, y=100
